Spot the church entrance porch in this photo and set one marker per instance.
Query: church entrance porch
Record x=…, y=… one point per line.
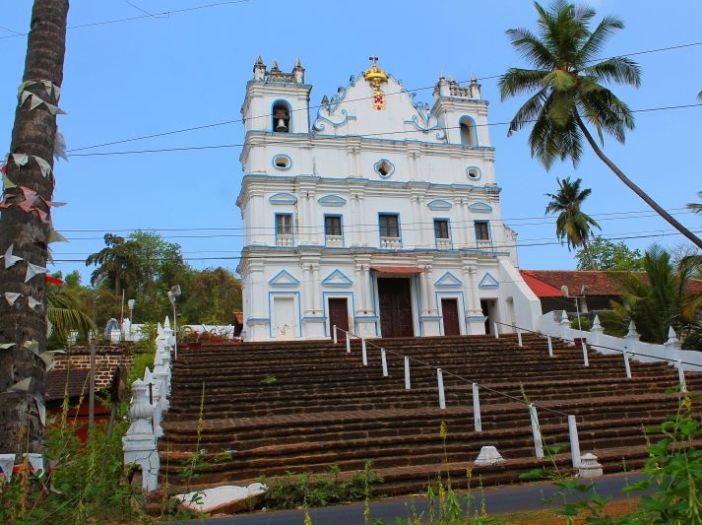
x=395, y=307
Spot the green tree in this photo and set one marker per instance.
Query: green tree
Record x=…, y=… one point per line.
x=572, y=224
x=568, y=92
x=33, y=134
x=604, y=254
x=117, y=264
x=660, y=300
x=211, y=296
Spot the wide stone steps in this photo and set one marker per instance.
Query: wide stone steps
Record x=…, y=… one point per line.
x=304, y=406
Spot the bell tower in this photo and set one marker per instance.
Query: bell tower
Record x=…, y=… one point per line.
x=277, y=102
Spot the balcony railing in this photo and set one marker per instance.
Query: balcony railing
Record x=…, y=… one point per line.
x=334, y=240
x=390, y=242
x=484, y=244
x=283, y=239
x=443, y=244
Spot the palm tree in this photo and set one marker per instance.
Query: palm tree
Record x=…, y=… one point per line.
x=117, y=263
x=66, y=314
x=22, y=374
x=568, y=92
x=696, y=206
x=572, y=223
x=660, y=300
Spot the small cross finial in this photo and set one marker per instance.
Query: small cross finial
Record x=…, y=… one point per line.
x=374, y=60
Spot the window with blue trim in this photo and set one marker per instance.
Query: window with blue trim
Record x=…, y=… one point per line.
x=332, y=230
x=283, y=229
x=482, y=231
x=389, y=225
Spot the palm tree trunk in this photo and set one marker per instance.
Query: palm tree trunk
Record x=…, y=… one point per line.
x=633, y=187
x=33, y=134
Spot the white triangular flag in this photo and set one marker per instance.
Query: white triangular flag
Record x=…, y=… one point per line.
x=31, y=345
x=7, y=463
x=48, y=86
x=21, y=386
x=55, y=236
x=54, y=110
x=33, y=270
x=7, y=183
x=24, y=85
x=41, y=408
x=35, y=102
x=6, y=346
x=21, y=159
x=11, y=260
x=44, y=166
x=49, y=358
x=33, y=303
x=60, y=146
x=36, y=460
x=24, y=96
x=11, y=297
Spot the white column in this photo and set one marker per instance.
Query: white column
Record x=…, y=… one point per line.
x=366, y=286
x=473, y=292
x=431, y=307
x=307, y=289
x=316, y=289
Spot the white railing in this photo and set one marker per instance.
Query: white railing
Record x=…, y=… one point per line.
x=483, y=244
x=334, y=240
x=347, y=336
x=443, y=244
x=557, y=324
x=390, y=242
x=283, y=239
x=150, y=401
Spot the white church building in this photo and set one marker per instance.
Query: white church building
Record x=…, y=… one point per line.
x=381, y=215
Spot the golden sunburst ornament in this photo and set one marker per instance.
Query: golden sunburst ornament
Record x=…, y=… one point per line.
x=377, y=77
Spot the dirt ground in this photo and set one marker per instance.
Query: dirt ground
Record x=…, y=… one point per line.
x=549, y=517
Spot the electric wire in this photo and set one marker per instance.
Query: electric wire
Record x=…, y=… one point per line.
x=318, y=106
x=332, y=137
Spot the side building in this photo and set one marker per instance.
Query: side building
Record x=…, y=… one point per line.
x=381, y=216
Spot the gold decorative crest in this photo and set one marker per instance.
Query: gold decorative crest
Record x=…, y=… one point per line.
x=377, y=77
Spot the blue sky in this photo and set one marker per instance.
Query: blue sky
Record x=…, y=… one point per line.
x=154, y=74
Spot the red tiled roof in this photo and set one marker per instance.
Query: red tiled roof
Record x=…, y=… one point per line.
x=59, y=381
x=540, y=288
x=544, y=282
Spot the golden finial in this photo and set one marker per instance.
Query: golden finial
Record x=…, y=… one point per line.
x=375, y=75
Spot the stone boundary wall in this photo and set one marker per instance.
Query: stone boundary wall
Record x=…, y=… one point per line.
x=107, y=359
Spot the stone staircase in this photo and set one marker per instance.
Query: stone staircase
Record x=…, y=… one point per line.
x=305, y=406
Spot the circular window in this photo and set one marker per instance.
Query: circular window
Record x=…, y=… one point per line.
x=282, y=162
x=384, y=168
x=473, y=173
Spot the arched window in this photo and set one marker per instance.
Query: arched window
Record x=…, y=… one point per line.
x=469, y=133
x=281, y=116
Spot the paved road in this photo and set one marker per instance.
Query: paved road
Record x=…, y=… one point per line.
x=497, y=500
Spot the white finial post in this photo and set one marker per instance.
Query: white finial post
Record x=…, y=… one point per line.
x=477, y=419
x=536, y=431
x=384, y=362
x=139, y=444
x=440, y=384
x=364, y=352
x=574, y=441
x=408, y=383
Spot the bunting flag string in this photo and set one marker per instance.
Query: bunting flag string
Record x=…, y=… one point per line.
x=60, y=146
x=49, y=87
x=10, y=260
x=11, y=297
x=7, y=464
x=33, y=270
x=35, y=101
x=34, y=303
x=6, y=346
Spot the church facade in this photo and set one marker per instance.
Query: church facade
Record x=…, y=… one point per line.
x=380, y=215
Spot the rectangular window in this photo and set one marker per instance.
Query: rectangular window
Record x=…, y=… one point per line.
x=441, y=229
x=332, y=225
x=283, y=224
x=389, y=225
x=482, y=232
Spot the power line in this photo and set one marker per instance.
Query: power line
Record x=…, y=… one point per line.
x=495, y=247
x=634, y=214
x=423, y=88
x=331, y=137
x=161, y=14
